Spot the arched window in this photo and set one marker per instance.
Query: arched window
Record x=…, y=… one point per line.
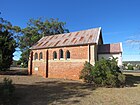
x=40, y=56
x=60, y=53
x=67, y=55
x=54, y=55
x=36, y=56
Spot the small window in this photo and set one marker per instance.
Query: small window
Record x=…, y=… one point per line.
x=67, y=55
x=61, y=53
x=40, y=56
x=54, y=55
x=36, y=56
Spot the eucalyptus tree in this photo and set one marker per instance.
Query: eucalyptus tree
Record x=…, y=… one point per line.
x=36, y=29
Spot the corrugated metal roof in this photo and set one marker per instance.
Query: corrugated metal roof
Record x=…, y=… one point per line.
x=110, y=48
x=69, y=39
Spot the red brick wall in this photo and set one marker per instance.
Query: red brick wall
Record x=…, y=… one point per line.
x=61, y=68
x=78, y=52
x=41, y=68
x=68, y=69
x=40, y=64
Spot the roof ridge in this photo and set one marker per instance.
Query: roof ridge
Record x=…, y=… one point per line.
x=75, y=31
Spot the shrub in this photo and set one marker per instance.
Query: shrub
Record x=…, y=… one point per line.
x=86, y=73
x=103, y=73
x=121, y=79
x=6, y=92
x=130, y=67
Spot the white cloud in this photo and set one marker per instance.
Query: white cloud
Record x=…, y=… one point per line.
x=132, y=41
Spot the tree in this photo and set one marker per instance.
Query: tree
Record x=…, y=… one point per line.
x=7, y=44
x=35, y=30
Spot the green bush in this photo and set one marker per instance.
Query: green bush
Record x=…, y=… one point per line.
x=121, y=79
x=103, y=73
x=86, y=73
x=130, y=67
x=6, y=92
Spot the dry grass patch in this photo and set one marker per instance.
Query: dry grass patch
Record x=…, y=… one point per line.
x=34, y=90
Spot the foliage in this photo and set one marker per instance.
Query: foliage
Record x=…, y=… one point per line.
x=19, y=62
x=103, y=73
x=6, y=92
x=7, y=26
x=7, y=44
x=86, y=73
x=130, y=67
x=35, y=30
x=7, y=48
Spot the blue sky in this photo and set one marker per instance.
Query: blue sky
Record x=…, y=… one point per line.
x=119, y=19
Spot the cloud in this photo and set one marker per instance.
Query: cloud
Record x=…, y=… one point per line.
x=134, y=36
x=132, y=41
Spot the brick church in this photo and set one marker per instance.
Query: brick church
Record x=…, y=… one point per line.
x=64, y=55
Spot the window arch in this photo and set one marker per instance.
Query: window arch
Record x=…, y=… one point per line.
x=40, y=55
x=60, y=53
x=36, y=56
x=67, y=54
x=54, y=55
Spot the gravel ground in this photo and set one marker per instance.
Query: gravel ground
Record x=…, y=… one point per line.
x=35, y=90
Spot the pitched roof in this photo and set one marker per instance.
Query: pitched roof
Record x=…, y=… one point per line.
x=110, y=48
x=89, y=36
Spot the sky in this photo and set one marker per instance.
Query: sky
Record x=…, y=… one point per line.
x=119, y=19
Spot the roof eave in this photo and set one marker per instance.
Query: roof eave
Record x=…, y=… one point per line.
x=109, y=52
x=64, y=46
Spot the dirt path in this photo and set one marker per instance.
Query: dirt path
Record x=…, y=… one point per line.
x=34, y=90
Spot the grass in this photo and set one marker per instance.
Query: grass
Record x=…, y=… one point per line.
x=34, y=90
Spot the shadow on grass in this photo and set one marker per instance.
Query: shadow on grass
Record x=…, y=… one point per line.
x=52, y=92
x=14, y=72
x=7, y=94
x=132, y=80
x=9, y=101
